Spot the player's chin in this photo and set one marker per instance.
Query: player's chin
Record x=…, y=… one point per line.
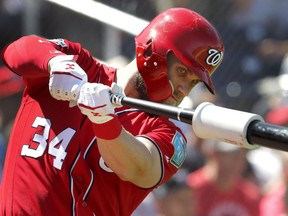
x=173, y=101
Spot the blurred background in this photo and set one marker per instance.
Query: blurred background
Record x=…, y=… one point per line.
x=253, y=76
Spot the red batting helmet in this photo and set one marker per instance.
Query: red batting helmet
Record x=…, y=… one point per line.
x=192, y=39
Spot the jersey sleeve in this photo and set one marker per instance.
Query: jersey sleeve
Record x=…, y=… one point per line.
x=171, y=144
x=29, y=56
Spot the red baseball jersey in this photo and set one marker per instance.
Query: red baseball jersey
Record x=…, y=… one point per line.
x=53, y=165
x=242, y=200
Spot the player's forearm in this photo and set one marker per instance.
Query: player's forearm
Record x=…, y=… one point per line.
x=130, y=159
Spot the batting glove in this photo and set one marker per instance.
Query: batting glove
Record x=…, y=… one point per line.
x=66, y=79
x=94, y=102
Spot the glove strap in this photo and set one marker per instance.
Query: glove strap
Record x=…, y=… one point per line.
x=108, y=130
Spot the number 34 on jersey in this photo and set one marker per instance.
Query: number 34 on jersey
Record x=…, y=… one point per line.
x=56, y=147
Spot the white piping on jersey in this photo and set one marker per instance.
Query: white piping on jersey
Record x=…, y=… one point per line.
x=72, y=180
x=90, y=185
x=128, y=110
x=161, y=157
x=92, y=175
x=88, y=148
x=138, y=110
x=160, y=152
x=72, y=185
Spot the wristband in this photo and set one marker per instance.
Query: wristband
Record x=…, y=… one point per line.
x=108, y=130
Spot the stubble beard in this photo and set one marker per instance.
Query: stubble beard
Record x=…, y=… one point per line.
x=142, y=92
x=140, y=87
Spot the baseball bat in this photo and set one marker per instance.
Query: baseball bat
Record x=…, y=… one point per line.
x=213, y=122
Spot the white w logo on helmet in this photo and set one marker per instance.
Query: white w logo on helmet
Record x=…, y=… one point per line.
x=214, y=57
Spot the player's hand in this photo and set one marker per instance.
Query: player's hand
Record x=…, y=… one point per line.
x=117, y=90
x=94, y=102
x=66, y=79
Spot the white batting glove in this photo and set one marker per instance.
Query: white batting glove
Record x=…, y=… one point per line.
x=66, y=79
x=94, y=102
x=117, y=90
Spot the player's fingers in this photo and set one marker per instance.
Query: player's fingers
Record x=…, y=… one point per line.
x=56, y=87
x=72, y=104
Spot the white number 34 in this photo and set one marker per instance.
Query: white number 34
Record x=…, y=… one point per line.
x=56, y=147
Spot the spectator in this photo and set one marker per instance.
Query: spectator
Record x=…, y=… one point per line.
x=219, y=187
x=174, y=197
x=275, y=195
x=275, y=200
x=278, y=116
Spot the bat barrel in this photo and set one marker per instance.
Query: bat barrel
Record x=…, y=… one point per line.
x=268, y=135
x=256, y=133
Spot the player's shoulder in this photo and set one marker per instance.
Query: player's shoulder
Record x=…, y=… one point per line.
x=136, y=116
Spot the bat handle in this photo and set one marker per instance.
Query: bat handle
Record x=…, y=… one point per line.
x=116, y=99
x=180, y=114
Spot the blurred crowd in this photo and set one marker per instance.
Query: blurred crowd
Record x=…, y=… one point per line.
x=217, y=179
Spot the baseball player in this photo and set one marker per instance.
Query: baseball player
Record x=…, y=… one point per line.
x=71, y=151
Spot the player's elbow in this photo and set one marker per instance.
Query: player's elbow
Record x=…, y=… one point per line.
x=146, y=177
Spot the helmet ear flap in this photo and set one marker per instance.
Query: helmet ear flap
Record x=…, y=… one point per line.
x=153, y=69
